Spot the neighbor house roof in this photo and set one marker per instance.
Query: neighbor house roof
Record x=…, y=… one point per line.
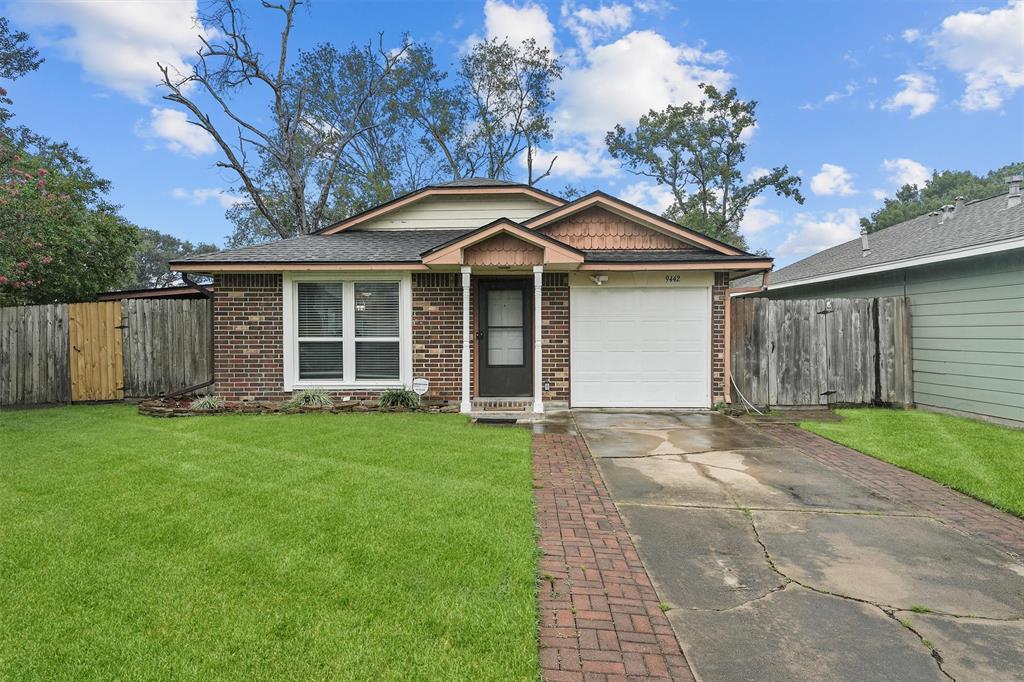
x=976, y=227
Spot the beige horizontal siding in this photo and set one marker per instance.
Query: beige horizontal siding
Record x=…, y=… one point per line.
x=458, y=212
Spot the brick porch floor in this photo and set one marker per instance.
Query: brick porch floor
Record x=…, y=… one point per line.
x=964, y=513
x=600, y=617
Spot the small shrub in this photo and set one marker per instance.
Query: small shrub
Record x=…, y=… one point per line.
x=207, y=402
x=313, y=397
x=399, y=397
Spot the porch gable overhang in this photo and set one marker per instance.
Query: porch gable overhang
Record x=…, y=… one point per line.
x=553, y=252
x=635, y=214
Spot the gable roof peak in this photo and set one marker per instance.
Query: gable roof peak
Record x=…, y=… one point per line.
x=479, y=182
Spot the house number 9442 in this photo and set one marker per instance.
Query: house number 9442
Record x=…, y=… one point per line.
x=672, y=278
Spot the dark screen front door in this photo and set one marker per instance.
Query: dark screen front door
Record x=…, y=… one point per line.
x=506, y=362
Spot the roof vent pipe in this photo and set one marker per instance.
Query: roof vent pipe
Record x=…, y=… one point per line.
x=1014, y=197
x=865, y=248
x=947, y=213
x=960, y=201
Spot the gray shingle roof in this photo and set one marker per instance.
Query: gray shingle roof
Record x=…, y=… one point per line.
x=659, y=256
x=383, y=246
x=978, y=222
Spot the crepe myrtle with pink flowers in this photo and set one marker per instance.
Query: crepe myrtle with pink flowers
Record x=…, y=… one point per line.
x=59, y=239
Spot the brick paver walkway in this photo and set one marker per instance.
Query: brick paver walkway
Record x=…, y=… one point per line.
x=955, y=509
x=600, y=616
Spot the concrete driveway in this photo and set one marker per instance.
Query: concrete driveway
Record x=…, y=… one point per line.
x=777, y=567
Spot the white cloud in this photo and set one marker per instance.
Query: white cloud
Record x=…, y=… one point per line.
x=658, y=6
x=833, y=96
x=911, y=35
x=756, y=173
x=832, y=180
x=987, y=48
x=817, y=233
x=574, y=163
x=906, y=172
x=517, y=23
x=173, y=129
x=879, y=194
x=200, y=195
x=918, y=94
x=625, y=79
x=653, y=197
x=118, y=43
x=588, y=24
x=758, y=219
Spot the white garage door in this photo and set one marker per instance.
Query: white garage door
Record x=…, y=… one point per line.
x=640, y=347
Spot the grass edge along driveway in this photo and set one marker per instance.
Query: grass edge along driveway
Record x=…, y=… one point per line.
x=983, y=460
x=363, y=546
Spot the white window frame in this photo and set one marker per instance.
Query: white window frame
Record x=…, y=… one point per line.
x=290, y=326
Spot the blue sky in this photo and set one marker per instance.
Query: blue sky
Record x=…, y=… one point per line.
x=855, y=97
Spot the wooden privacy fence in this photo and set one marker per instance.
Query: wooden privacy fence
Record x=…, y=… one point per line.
x=34, y=364
x=821, y=351
x=166, y=345
x=107, y=350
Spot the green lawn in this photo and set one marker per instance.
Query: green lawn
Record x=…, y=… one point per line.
x=980, y=459
x=361, y=546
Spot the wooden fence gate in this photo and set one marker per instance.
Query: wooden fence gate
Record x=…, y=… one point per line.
x=821, y=351
x=97, y=360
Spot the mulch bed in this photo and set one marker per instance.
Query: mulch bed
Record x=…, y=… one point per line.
x=182, y=407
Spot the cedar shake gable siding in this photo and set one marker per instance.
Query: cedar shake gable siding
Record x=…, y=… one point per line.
x=598, y=229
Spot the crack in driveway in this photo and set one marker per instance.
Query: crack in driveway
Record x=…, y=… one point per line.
x=766, y=483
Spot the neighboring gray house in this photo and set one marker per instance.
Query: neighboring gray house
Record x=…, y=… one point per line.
x=963, y=270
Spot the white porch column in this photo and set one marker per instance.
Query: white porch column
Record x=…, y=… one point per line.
x=465, y=406
x=538, y=340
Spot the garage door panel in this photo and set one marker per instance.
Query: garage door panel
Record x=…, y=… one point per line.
x=640, y=347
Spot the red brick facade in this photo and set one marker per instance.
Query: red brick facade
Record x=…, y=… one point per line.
x=248, y=358
x=437, y=332
x=554, y=312
x=718, y=347
x=248, y=343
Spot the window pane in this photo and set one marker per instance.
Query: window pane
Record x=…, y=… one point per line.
x=377, y=360
x=505, y=347
x=505, y=307
x=376, y=309
x=320, y=360
x=320, y=308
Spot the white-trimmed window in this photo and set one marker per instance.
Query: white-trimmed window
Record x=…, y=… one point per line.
x=321, y=337
x=378, y=343
x=346, y=331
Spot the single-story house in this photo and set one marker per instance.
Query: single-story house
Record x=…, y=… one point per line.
x=497, y=293
x=963, y=270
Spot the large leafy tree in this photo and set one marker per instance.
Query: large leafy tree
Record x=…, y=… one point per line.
x=495, y=108
x=59, y=239
x=287, y=154
x=152, y=254
x=401, y=124
x=696, y=150
x=942, y=188
x=17, y=58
